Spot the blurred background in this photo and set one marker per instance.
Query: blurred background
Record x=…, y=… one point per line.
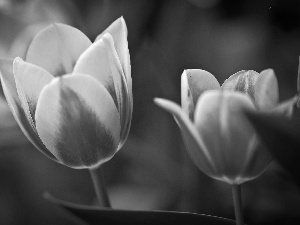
x=153, y=170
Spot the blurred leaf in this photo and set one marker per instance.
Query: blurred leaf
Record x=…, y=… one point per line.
x=95, y=215
x=288, y=108
x=140, y=196
x=281, y=136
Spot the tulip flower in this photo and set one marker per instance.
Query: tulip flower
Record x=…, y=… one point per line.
x=73, y=98
x=218, y=137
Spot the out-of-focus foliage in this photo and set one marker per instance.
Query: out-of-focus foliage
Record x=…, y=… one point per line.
x=153, y=170
x=10, y=134
x=20, y=20
x=94, y=215
x=282, y=137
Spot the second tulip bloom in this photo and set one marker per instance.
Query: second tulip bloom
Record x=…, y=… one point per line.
x=218, y=137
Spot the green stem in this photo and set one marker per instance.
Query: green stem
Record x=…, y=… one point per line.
x=100, y=188
x=237, y=202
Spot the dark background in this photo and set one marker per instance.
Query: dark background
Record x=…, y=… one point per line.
x=153, y=170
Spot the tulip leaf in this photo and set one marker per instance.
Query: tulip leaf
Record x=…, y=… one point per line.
x=94, y=215
x=281, y=136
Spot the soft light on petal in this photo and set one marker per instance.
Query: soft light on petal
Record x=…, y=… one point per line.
x=266, y=90
x=78, y=121
x=242, y=81
x=57, y=48
x=262, y=88
x=194, y=143
x=11, y=95
x=118, y=31
x=258, y=161
x=193, y=83
x=232, y=82
x=30, y=80
x=100, y=61
x=226, y=132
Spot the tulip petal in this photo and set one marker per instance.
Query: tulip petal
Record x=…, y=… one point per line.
x=11, y=95
x=225, y=131
x=194, y=143
x=30, y=80
x=118, y=31
x=266, y=90
x=243, y=81
x=78, y=121
x=100, y=61
x=193, y=83
x=262, y=88
x=259, y=159
x=57, y=48
x=233, y=83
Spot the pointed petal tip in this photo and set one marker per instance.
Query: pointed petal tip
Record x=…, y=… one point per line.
x=168, y=105
x=123, y=25
x=157, y=99
x=268, y=70
x=161, y=101
x=123, y=22
x=17, y=60
x=107, y=38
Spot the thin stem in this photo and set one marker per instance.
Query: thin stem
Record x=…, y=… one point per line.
x=237, y=201
x=100, y=188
